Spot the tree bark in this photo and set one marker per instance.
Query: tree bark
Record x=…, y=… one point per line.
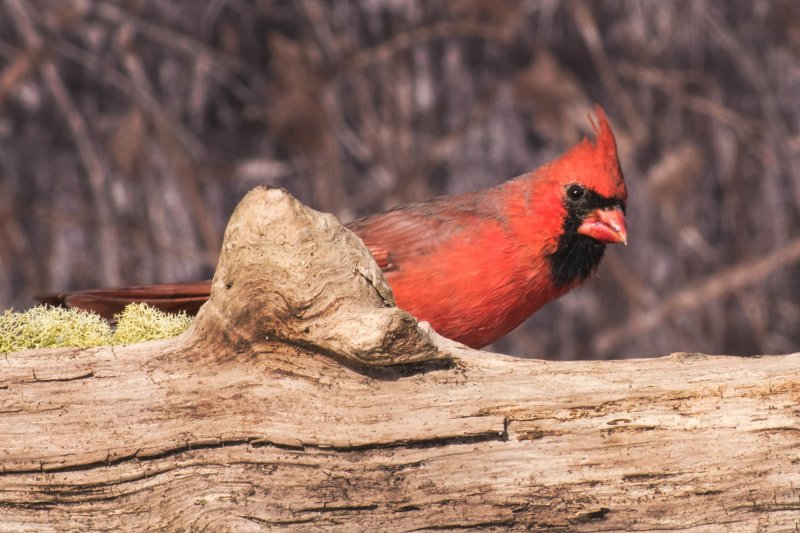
x=302, y=398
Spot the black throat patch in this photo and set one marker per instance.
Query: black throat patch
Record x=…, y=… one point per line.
x=577, y=255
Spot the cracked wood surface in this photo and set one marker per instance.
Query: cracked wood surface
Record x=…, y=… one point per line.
x=247, y=423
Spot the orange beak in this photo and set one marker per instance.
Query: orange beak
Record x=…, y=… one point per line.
x=605, y=225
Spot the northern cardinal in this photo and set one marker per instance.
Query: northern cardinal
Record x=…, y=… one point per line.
x=474, y=265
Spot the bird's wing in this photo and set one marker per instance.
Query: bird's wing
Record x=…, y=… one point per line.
x=412, y=231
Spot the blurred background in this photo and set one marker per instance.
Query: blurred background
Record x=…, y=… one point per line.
x=130, y=129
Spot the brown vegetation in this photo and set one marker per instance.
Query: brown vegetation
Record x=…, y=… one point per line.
x=129, y=130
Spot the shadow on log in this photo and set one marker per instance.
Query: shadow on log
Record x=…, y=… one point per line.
x=302, y=398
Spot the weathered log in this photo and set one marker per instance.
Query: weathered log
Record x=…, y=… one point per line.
x=277, y=409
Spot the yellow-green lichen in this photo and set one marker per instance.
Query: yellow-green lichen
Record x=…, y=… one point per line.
x=141, y=322
x=54, y=327
x=51, y=327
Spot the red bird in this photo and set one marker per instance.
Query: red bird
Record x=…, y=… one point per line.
x=475, y=265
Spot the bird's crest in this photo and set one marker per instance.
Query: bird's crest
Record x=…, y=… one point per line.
x=596, y=164
x=604, y=137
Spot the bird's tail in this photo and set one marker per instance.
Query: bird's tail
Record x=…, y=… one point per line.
x=170, y=298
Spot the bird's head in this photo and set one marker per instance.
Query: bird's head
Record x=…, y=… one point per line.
x=580, y=202
x=592, y=187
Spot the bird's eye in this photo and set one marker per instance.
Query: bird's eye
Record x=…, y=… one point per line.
x=575, y=192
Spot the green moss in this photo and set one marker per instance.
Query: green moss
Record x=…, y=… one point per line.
x=54, y=327
x=140, y=322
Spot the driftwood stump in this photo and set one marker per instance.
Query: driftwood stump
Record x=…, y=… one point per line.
x=277, y=410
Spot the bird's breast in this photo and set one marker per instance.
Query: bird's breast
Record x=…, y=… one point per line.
x=476, y=287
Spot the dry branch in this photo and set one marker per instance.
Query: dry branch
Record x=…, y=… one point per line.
x=715, y=286
x=441, y=30
x=276, y=410
x=95, y=168
x=587, y=25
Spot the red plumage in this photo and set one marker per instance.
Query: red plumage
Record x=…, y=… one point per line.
x=474, y=265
